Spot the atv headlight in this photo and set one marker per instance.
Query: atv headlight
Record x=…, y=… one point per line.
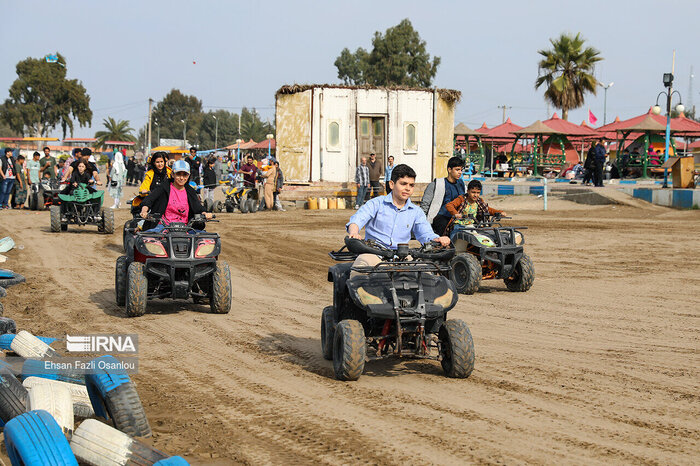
x=519, y=238
x=154, y=247
x=205, y=248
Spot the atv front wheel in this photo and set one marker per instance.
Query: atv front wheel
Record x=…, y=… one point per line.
x=252, y=205
x=243, y=207
x=56, y=218
x=456, y=349
x=220, y=301
x=327, y=332
x=120, y=277
x=229, y=207
x=108, y=221
x=349, y=350
x=465, y=273
x=136, y=290
x=523, y=275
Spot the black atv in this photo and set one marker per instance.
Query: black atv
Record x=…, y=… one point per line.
x=398, y=307
x=181, y=262
x=81, y=207
x=45, y=193
x=486, y=250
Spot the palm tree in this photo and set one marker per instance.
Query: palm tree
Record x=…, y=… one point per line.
x=567, y=70
x=117, y=130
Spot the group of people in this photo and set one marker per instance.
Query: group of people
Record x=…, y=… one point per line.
x=367, y=178
x=447, y=206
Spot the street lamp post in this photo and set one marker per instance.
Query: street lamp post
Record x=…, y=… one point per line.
x=157, y=130
x=269, y=144
x=605, y=100
x=668, y=83
x=238, y=152
x=184, y=134
x=216, y=132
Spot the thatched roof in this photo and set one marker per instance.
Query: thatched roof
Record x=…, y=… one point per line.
x=463, y=130
x=448, y=95
x=537, y=128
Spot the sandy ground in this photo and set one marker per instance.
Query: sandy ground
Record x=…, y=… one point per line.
x=597, y=363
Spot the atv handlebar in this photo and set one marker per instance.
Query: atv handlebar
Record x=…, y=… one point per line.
x=430, y=251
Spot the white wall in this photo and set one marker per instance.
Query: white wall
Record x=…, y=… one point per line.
x=343, y=105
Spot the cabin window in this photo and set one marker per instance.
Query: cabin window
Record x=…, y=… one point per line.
x=364, y=127
x=409, y=137
x=378, y=128
x=333, y=136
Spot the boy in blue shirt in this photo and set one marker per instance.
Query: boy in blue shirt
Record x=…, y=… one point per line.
x=390, y=219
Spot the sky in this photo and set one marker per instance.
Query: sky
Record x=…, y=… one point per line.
x=233, y=54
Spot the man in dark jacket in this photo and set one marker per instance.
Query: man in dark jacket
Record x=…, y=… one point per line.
x=440, y=192
x=8, y=174
x=194, y=164
x=599, y=163
x=588, y=165
x=376, y=170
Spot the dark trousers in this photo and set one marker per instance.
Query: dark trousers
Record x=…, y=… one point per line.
x=598, y=173
x=440, y=224
x=375, y=188
x=587, y=175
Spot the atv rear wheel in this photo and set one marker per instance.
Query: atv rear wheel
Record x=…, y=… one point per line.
x=229, y=207
x=120, y=276
x=243, y=206
x=456, y=349
x=56, y=218
x=465, y=273
x=136, y=290
x=523, y=275
x=220, y=301
x=108, y=221
x=327, y=332
x=349, y=350
x=252, y=205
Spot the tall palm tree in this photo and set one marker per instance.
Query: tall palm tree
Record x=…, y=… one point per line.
x=567, y=70
x=117, y=130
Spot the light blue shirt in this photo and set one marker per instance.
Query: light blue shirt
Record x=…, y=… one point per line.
x=391, y=226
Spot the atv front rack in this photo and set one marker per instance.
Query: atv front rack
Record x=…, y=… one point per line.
x=403, y=266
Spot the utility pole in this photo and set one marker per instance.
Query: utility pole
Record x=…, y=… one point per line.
x=150, y=113
x=691, y=105
x=504, y=107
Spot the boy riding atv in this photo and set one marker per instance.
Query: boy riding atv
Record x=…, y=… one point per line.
x=392, y=300
x=484, y=249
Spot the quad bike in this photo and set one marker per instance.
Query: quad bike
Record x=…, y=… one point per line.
x=45, y=193
x=132, y=225
x=396, y=308
x=243, y=198
x=181, y=262
x=486, y=250
x=81, y=207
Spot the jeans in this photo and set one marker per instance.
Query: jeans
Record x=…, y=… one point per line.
x=361, y=193
x=5, y=190
x=376, y=188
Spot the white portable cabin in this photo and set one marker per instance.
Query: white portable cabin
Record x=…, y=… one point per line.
x=324, y=130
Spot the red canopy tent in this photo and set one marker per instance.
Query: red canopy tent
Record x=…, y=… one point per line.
x=263, y=145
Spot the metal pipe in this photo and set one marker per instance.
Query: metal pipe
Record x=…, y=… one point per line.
x=544, y=180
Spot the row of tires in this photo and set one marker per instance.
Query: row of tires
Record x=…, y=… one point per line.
x=39, y=413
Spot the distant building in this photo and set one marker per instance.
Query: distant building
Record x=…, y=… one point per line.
x=324, y=130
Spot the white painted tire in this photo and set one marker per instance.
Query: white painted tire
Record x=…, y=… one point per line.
x=98, y=444
x=55, y=399
x=82, y=407
x=28, y=346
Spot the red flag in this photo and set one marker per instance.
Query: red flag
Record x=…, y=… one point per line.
x=592, y=117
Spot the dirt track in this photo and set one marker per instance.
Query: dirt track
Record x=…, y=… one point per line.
x=597, y=363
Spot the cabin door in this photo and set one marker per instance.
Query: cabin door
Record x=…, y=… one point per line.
x=371, y=138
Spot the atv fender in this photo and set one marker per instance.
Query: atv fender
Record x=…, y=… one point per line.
x=339, y=274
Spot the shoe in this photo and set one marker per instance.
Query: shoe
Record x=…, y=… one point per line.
x=357, y=207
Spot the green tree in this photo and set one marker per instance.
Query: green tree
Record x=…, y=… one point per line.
x=170, y=112
x=567, y=71
x=252, y=127
x=116, y=130
x=42, y=98
x=398, y=58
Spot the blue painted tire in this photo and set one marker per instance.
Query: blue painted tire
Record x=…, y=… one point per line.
x=172, y=461
x=114, y=397
x=6, y=340
x=36, y=368
x=35, y=439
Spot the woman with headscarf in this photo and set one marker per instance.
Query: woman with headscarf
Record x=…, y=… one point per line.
x=158, y=174
x=117, y=178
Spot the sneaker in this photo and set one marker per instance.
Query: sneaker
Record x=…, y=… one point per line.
x=357, y=206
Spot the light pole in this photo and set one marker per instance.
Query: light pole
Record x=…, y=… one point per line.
x=157, y=130
x=668, y=83
x=238, y=151
x=269, y=144
x=605, y=100
x=216, y=132
x=184, y=134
